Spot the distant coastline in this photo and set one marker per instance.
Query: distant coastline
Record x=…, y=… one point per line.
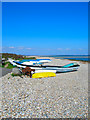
x=84, y=58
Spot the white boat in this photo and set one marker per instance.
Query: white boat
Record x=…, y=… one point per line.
x=66, y=68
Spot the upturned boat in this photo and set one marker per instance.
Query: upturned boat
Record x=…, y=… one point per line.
x=47, y=68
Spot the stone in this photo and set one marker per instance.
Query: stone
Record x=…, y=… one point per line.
x=16, y=71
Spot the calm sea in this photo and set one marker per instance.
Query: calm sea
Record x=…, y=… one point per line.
x=72, y=57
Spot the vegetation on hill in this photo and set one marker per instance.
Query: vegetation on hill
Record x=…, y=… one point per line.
x=7, y=65
x=15, y=56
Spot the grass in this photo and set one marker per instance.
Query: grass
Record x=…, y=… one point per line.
x=0, y=65
x=10, y=66
x=15, y=75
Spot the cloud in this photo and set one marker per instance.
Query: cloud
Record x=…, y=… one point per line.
x=48, y=49
x=20, y=48
x=28, y=48
x=59, y=49
x=12, y=47
x=67, y=49
x=80, y=49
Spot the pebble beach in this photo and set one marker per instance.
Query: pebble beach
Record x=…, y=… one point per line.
x=63, y=96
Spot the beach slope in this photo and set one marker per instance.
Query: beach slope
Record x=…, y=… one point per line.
x=63, y=96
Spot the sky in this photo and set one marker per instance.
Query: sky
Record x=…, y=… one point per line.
x=45, y=0
x=45, y=28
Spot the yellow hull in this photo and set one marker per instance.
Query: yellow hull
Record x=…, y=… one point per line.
x=43, y=74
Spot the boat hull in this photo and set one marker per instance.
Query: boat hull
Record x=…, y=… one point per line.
x=43, y=74
x=39, y=71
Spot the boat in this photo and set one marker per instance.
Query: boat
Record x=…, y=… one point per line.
x=39, y=71
x=66, y=68
x=34, y=62
x=43, y=74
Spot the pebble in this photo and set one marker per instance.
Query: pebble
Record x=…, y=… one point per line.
x=63, y=96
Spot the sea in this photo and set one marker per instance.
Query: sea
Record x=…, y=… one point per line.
x=73, y=57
